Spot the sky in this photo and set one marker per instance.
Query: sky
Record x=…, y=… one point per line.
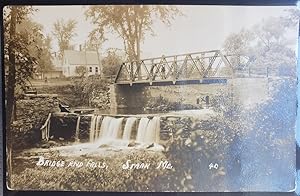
x=201, y=28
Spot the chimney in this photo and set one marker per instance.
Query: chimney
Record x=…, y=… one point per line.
x=80, y=47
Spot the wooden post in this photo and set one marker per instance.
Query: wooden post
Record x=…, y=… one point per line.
x=249, y=72
x=131, y=72
x=175, y=70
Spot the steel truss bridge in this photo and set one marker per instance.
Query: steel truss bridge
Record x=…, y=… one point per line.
x=201, y=67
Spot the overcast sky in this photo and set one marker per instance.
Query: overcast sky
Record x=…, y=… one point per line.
x=202, y=27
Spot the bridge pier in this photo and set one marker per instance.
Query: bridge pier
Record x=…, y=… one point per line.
x=127, y=99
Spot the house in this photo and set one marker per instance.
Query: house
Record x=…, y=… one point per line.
x=73, y=59
x=54, y=72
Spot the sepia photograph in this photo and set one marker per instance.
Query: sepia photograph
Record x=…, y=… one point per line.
x=151, y=98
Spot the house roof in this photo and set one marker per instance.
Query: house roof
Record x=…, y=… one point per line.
x=81, y=57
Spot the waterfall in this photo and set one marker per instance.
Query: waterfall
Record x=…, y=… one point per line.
x=95, y=131
x=92, y=128
x=115, y=127
x=97, y=128
x=149, y=130
x=104, y=129
x=128, y=128
x=142, y=129
x=153, y=130
x=111, y=132
x=77, y=129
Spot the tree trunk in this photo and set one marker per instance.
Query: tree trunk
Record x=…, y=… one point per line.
x=137, y=43
x=11, y=83
x=15, y=110
x=138, y=58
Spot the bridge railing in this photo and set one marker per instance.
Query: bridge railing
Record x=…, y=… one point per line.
x=192, y=66
x=263, y=72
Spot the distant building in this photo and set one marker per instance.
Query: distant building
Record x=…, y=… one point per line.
x=72, y=59
x=54, y=72
x=56, y=61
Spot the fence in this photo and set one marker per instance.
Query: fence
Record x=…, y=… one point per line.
x=264, y=72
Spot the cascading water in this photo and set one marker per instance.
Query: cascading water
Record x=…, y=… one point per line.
x=128, y=128
x=152, y=131
x=142, y=129
x=148, y=130
x=112, y=132
x=77, y=129
x=116, y=127
x=104, y=130
x=97, y=127
x=92, y=128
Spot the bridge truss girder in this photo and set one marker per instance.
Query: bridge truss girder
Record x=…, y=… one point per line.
x=184, y=67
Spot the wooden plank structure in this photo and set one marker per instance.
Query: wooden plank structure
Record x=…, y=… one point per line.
x=45, y=129
x=201, y=67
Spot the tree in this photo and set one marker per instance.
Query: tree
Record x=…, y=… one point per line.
x=111, y=62
x=19, y=64
x=265, y=45
x=45, y=60
x=81, y=71
x=41, y=49
x=131, y=23
x=64, y=31
x=238, y=45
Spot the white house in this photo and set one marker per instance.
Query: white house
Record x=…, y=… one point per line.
x=73, y=59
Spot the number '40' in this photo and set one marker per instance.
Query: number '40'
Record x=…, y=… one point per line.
x=213, y=166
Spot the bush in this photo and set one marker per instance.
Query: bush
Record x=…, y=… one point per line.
x=114, y=178
x=88, y=88
x=254, y=148
x=164, y=105
x=31, y=115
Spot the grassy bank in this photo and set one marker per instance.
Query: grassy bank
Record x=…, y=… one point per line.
x=28, y=176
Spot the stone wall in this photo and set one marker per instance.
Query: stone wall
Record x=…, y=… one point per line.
x=31, y=115
x=101, y=99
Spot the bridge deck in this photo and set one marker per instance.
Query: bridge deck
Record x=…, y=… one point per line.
x=211, y=80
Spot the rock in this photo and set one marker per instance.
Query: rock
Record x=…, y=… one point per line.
x=47, y=145
x=150, y=146
x=52, y=143
x=132, y=144
x=172, y=118
x=61, y=138
x=104, y=146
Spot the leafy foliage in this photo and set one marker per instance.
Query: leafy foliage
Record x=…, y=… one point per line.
x=81, y=70
x=64, y=31
x=22, y=44
x=91, y=179
x=86, y=88
x=111, y=62
x=270, y=135
x=241, y=141
x=265, y=45
x=163, y=105
x=131, y=23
